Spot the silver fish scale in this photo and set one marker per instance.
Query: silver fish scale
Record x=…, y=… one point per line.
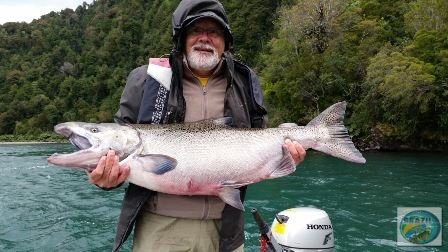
x=215, y=148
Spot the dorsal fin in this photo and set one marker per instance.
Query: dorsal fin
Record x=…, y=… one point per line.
x=223, y=121
x=288, y=125
x=331, y=116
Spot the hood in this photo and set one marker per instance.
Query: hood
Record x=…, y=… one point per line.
x=189, y=11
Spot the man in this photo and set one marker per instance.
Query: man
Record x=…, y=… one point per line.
x=202, y=81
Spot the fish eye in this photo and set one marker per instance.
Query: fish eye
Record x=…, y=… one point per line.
x=94, y=130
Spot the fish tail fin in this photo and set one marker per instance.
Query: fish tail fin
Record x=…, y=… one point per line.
x=231, y=196
x=339, y=144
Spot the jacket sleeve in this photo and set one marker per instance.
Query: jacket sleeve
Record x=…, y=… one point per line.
x=132, y=96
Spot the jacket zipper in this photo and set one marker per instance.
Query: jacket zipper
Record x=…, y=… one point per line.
x=204, y=101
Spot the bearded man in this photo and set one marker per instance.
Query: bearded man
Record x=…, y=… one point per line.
x=200, y=81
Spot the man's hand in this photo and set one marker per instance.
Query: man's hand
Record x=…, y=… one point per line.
x=296, y=150
x=108, y=173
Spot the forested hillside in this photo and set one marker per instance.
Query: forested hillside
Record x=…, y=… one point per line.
x=388, y=59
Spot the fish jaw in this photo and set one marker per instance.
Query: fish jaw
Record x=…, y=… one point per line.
x=94, y=141
x=78, y=135
x=84, y=159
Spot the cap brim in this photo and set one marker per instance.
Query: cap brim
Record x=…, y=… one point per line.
x=208, y=14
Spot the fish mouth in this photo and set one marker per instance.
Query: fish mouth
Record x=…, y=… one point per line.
x=85, y=158
x=80, y=142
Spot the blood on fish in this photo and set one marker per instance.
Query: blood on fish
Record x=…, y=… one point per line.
x=191, y=187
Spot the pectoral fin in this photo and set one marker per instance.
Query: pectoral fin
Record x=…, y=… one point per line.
x=155, y=163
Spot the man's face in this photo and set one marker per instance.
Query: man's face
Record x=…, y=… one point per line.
x=204, y=45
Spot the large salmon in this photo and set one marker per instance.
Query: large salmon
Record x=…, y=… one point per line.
x=207, y=157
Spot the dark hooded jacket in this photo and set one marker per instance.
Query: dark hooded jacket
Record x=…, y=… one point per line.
x=243, y=102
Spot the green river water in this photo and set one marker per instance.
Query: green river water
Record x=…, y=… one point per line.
x=46, y=208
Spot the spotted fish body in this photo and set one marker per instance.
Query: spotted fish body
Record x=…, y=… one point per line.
x=207, y=157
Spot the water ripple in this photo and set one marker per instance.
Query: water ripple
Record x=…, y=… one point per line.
x=47, y=208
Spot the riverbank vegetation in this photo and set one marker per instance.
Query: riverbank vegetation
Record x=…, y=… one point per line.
x=25, y=138
x=388, y=59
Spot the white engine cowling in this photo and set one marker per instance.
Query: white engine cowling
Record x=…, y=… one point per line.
x=303, y=229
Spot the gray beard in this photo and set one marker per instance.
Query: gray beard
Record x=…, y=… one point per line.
x=201, y=62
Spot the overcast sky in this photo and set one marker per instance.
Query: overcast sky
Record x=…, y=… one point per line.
x=27, y=10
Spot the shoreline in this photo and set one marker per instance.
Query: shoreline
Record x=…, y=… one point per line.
x=30, y=142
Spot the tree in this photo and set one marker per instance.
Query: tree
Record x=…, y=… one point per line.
x=401, y=90
x=297, y=73
x=312, y=21
x=427, y=15
x=260, y=16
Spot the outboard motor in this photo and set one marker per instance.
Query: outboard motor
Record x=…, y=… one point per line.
x=302, y=229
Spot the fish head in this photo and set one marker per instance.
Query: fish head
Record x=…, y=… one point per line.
x=94, y=140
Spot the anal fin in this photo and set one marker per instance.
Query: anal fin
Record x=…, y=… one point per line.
x=231, y=196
